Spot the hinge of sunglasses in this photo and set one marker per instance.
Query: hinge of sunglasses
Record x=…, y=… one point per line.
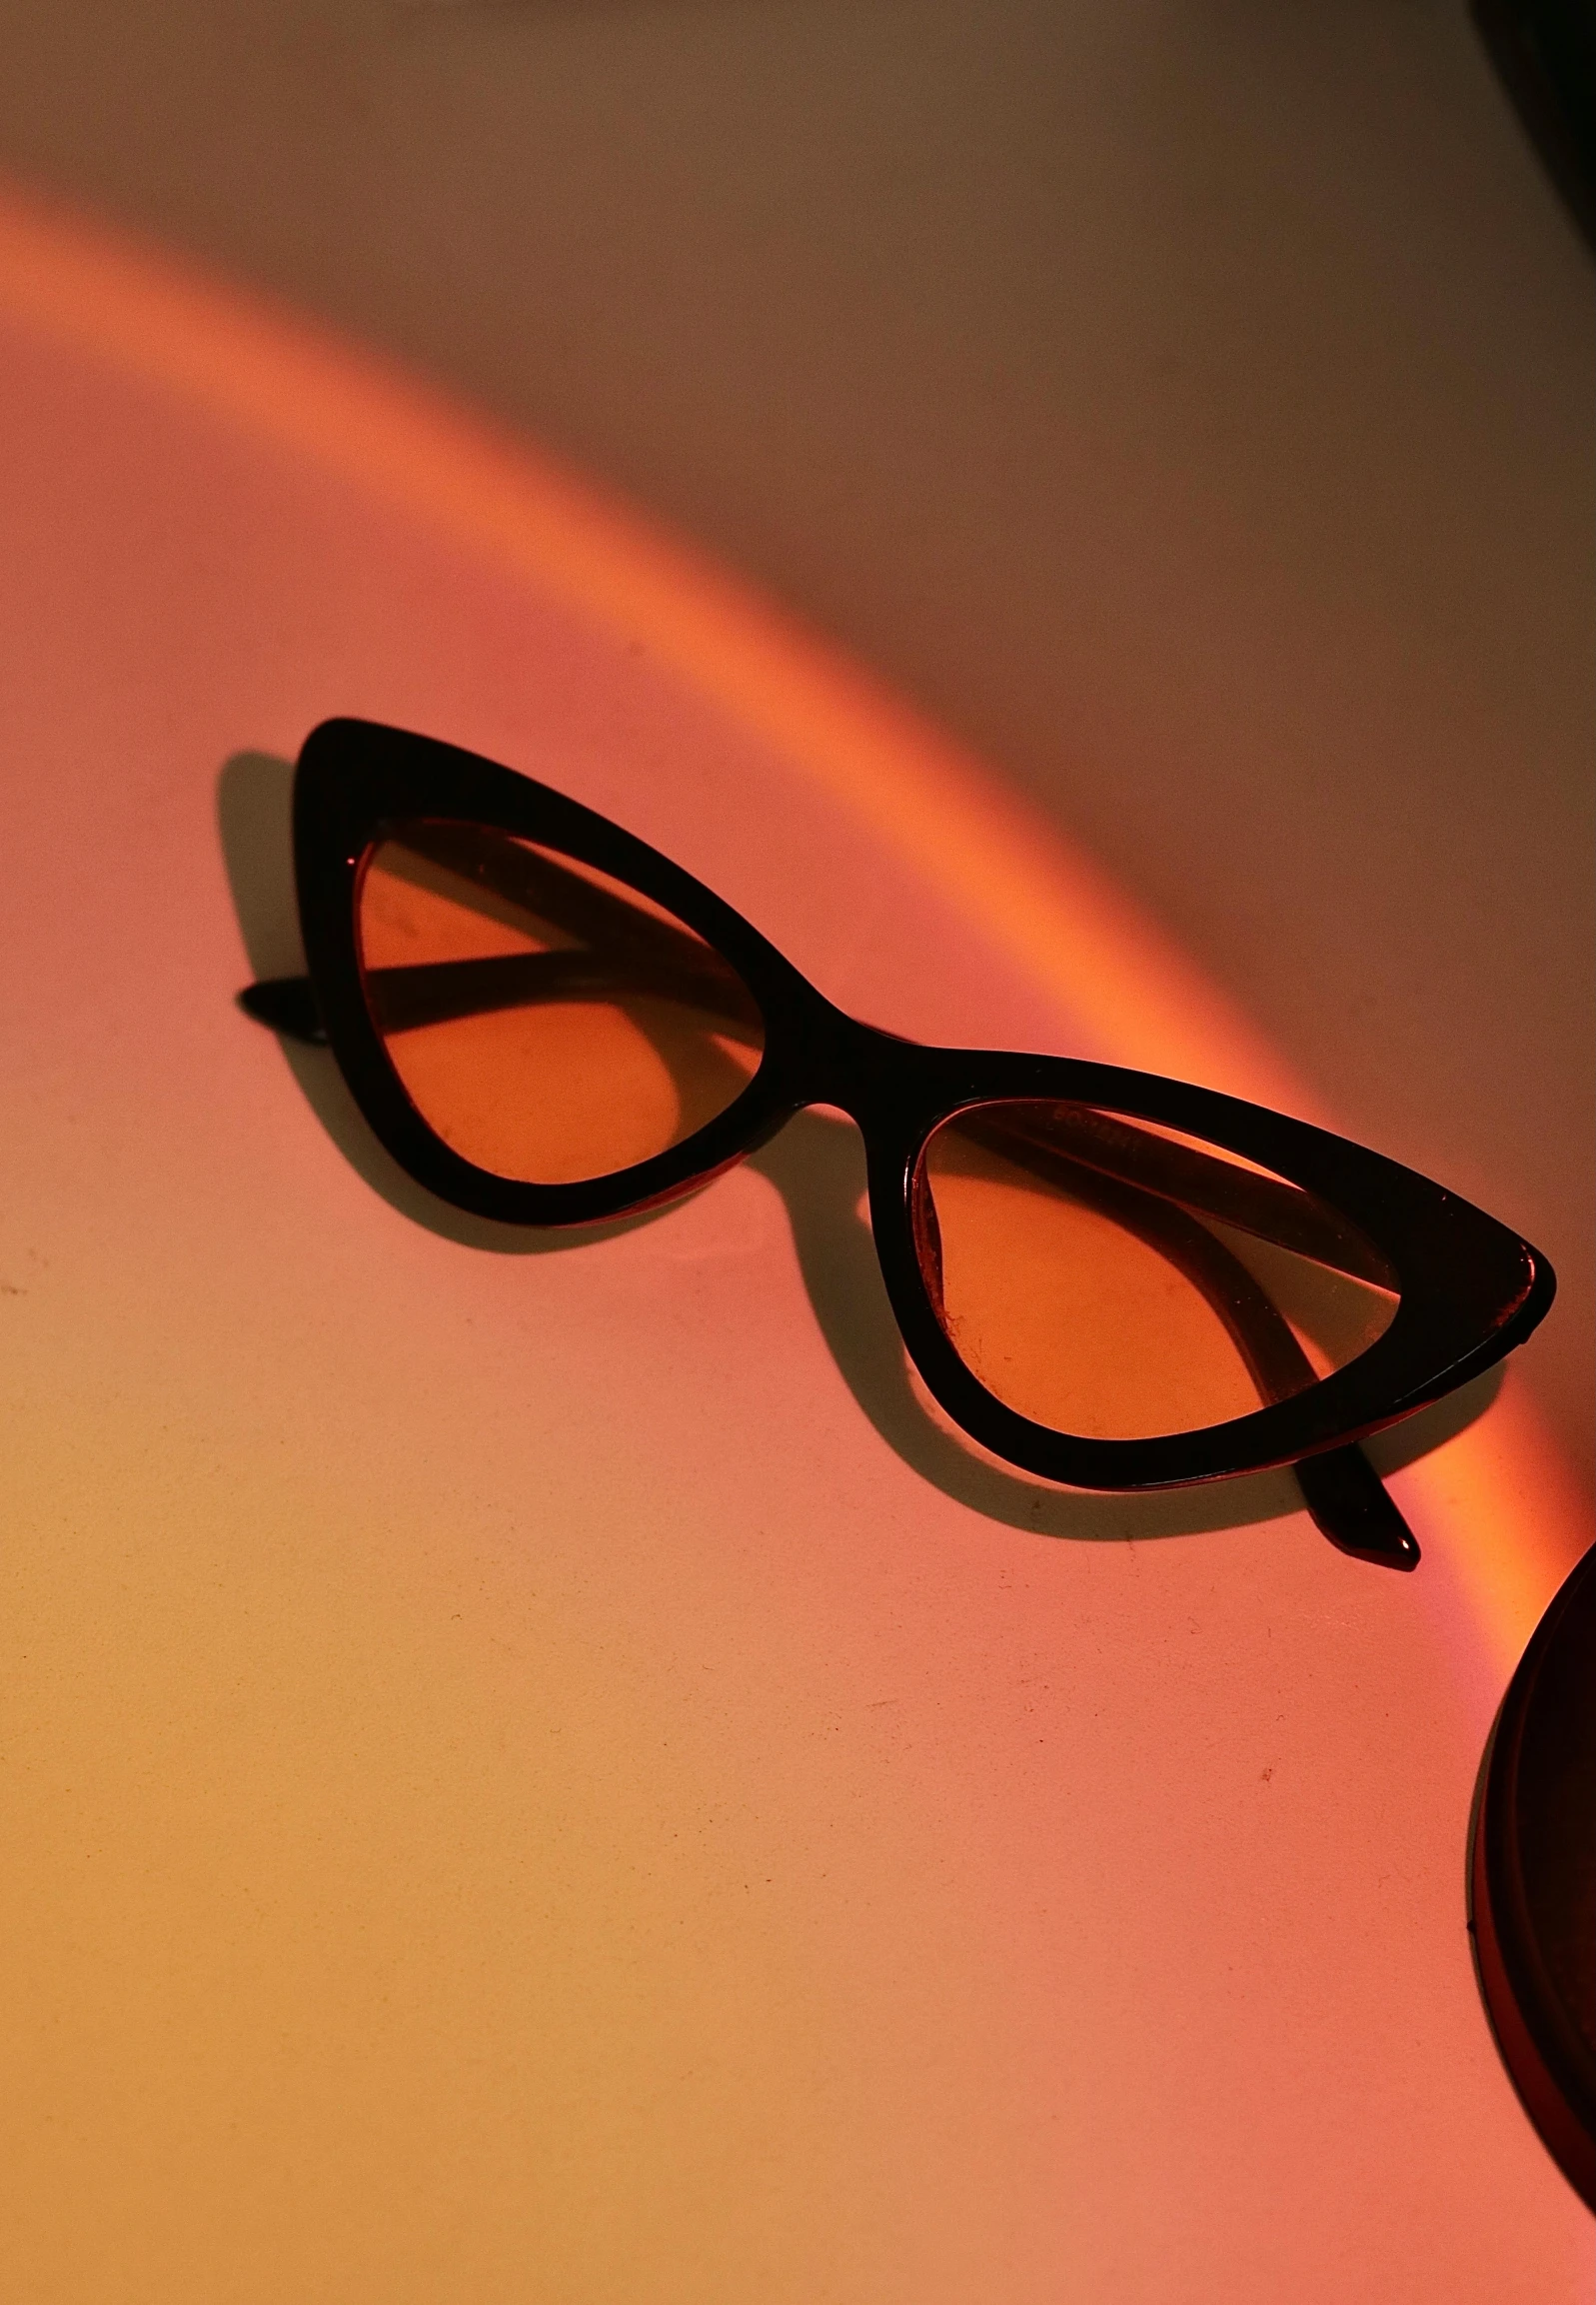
x=285, y=1004
x=1350, y=1503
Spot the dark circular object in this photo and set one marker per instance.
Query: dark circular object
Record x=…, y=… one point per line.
x=1533, y=1879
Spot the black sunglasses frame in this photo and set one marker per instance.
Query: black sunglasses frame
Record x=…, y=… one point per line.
x=1469, y=1290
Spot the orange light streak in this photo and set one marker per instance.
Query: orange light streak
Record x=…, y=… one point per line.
x=270, y=373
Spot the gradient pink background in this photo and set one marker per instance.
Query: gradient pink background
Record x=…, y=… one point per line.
x=513, y=1786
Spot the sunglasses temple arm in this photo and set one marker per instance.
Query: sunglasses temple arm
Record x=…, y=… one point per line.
x=544, y=887
x=1345, y=1497
x=437, y=991
x=1350, y=1505
x=1253, y=1202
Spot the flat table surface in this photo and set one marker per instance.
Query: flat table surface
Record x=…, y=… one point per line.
x=541, y=1770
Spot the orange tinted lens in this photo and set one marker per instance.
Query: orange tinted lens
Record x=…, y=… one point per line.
x=547, y=1022
x=1118, y=1281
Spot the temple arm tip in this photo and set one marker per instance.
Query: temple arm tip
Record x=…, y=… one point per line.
x=285, y=1004
x=1350, y=1503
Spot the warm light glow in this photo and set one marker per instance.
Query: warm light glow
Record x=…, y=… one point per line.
x=534, y=1772
x=271, y=373
x=275, y=375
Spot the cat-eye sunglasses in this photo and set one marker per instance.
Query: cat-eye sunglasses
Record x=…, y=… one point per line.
x=1107, y=1279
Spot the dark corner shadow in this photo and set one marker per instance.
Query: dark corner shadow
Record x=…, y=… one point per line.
x=816, y=1164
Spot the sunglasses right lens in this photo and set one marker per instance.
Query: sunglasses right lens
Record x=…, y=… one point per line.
x=1114, y=1279
x=550, y=1025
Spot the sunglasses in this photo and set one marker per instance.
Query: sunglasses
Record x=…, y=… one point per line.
x=1107, y=1279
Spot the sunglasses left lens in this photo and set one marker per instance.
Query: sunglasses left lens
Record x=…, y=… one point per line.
x=550, y=1025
